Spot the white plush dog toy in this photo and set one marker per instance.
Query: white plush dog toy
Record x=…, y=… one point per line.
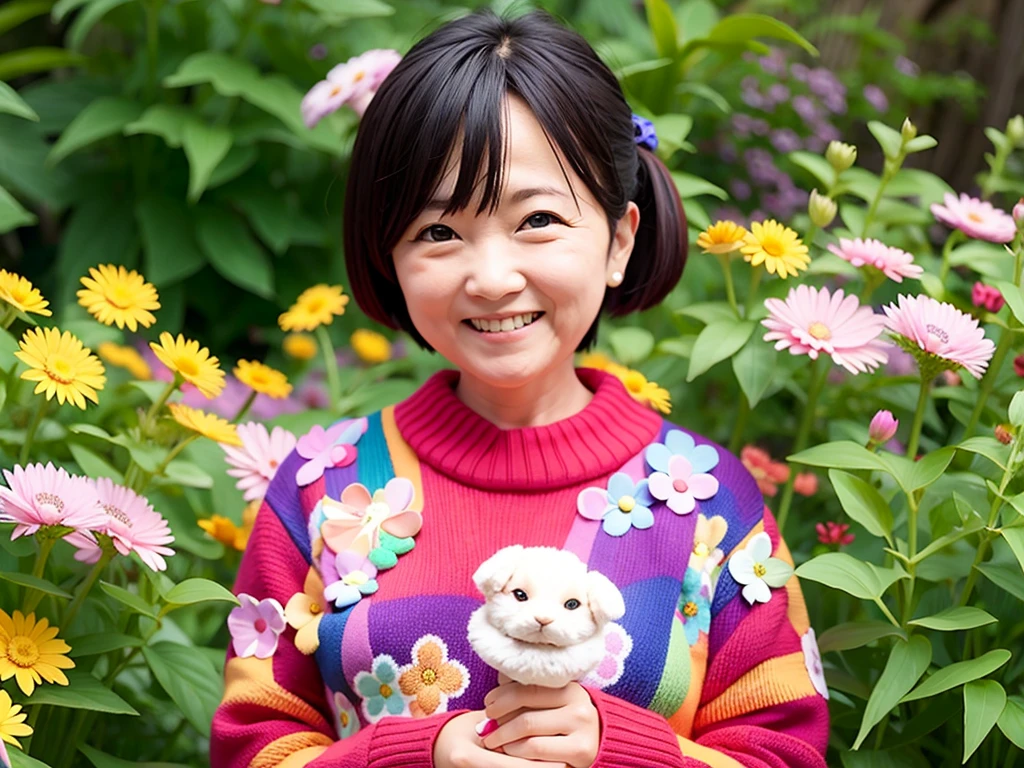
x=545, y=618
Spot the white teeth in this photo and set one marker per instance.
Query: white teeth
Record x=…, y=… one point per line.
x=506, y=324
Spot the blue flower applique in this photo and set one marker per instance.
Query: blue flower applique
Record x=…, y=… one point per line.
x=695, y=604
x=623, y=505
x=702, y=458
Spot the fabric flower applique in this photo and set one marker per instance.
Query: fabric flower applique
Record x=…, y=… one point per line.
x=812, y=660
x=432, y=679
x=755, y=568
x=331, y=447
x=695, y=604
x=379, y=690
x=380, y=526
x=255, y=626
x=349, y=577
x=304, y=612
x=346, y=719
x=623, y=505
x=681, y=487
x=617, y=645
x=708, y=534
x=702, y=458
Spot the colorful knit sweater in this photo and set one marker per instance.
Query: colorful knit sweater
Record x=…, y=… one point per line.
x=714, y=663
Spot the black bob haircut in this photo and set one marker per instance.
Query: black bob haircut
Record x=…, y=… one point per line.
x=455, y=81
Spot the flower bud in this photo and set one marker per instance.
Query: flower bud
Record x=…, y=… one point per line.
x=1003, y=434
x=822, y=209
x=840, y=156
x=883, y=427
x=908, y=131
x=1018, y=365
x=987, y=297
x=1015, y=130
x=1018, y=213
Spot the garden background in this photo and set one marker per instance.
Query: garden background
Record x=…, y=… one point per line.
x=168, y=137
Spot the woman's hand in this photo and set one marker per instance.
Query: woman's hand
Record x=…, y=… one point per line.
x=556, y=724
x=458, y=746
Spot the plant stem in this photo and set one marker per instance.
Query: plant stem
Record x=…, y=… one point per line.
x=755, y=280
x=819, y=373
x=988, y=381
x=330, y=365
x=173, y=453
x=890, y=170
x=33, y=596
x=730, y=288
x=33, y=426
x=988, y=536
x=915, y=429
x=245, y=407
x=9, y=316
x=84, y=589
x=151, y=414
x=741, y=423
x=954, y=239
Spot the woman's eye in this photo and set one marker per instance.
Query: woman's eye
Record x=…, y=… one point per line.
x=572, y=605
x=519, y=595
x=439, y=233
x=540, y=220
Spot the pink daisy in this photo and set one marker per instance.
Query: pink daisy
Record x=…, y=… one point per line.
x=255, y=626
x=131, y=523
x=256, y=462
x=975, y=218
x=811, y=321
x=41, y=496
x=923, y=324
x=362, y=75
x=894, y=262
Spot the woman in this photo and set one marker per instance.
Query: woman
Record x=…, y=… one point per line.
x=498, y=200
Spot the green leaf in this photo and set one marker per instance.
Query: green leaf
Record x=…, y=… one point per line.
x=239, y=159
x=1016, y=409
x=717, y=342
x=971, y=525
x=63, y=7
x=983, y=704
x=170, y=251
x=28, y=580
x=205, y=146
x=672, y=130
x=233, y=252
x=743, y=27
x=1015, y=538
x=12, y=214
x=988, y=447
x=777, y=572
x=841, y=454
x=920, y=144
x=863, y=503
x=709, y=312
x=1011, y=721
x=146, y=456
x=20, y=760
x=844, y=572
x=129, y=599
x=663, y=27
x=907, y=662
x=193, y=591
x=83, y=692
x=856, y=634
x=1005, y=577
x=1014, y=297
x=103, y=760
x=161, y=120
x=631, y=344
x=88, y=18
x=912, y=475
x=268, y=213
x=189, y=678
x=999, y=139
x=689, y=186
x=954, y=619
x=10, y=101
x=15, y=13
x=100, y=642
x=104, y=117
x=25, y=61
x=337, y=12
x=888, y=138
x=92, y=464
x=754, y=367
x=188, y=474
x=959, y=673
x=816, y=165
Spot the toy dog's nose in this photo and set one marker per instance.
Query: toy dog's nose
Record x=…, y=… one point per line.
x=543, y=620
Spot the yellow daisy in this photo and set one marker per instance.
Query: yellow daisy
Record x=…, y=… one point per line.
x=127, y=358
x=112, y=295
x=598, y=360
x=315, y=307
x=30, y=652
x=263, y=379
x=61, y=366
x=12, y=720
x=300, y=346
x=721, y=237
x=647, y=392
x=195, y=365
x=777, y=246
x=370, y=346
x=206, y=424
x=21, y=294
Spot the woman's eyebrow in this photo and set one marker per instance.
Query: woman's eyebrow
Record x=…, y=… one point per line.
x=518, y=196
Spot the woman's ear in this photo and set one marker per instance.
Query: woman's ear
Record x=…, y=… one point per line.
x=604, y=598
x=496, y=571
x=623, y=238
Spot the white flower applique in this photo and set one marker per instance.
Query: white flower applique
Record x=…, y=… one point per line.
x=755, y=568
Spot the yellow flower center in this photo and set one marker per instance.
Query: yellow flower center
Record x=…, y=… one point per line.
x=344, y=719
x=60, y=370
x=429, y=676
x=690, y=609
x=820, y=331
x=760, y=570
x=117, y=514
x=315, y=608
x=355, y=578
x=700, y=549
x=359, y=76
x=121, y=296
x=335, y=90
x=773, y=247
x=634, y=382
x=385, y=690
x=186, y=366
x=316, y=305
x=626, y=504
x=22, y=652
x=975, y=217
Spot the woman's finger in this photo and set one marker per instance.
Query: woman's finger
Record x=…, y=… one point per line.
x=508, y=698
x=559, y=749
x=543, y=722
x=485, y=758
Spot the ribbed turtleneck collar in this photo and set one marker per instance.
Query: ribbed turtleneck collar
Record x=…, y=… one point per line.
x=456, y=441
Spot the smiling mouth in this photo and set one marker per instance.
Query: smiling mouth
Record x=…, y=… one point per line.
x=504, y=325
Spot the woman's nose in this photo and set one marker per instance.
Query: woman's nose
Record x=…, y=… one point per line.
x=493, y=274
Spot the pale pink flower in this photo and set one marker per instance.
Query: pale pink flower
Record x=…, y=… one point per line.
x=894, y=262
x=255, y=626
x=257, y=461
x=1018, y=213
x=323, y=99
x=941, y=330
x=41, y=496
x=811, y=321
x=883, y=427
x=975, y=218
x=681, y=487
x=354, y=523
x=354, y=83
x=131, y=523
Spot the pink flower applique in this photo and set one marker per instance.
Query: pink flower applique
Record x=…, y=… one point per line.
x=255, y=626
x=358, y=521
x=326, y=448
x=681, y=487
x=618, y=645
x=812, y=660
x=346, y=719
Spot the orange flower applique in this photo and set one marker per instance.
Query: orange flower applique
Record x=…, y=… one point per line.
x=433, y=678
x=304, y=612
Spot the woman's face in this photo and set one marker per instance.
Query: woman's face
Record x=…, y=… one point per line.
x=507, y=297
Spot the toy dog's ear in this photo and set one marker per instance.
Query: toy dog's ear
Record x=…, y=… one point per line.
x=496, y=571
x=606, y=603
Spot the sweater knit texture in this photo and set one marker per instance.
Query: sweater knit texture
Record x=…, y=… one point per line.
x=702, y=670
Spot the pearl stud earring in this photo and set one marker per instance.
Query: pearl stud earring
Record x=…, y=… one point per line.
x=616, y=279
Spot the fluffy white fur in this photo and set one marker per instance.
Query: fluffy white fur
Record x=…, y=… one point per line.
x=540, y=640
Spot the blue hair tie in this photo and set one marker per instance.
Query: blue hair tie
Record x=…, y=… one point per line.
x=643, y=132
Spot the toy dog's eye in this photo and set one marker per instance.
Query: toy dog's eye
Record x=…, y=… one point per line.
x=572, y=604
x=519, y=595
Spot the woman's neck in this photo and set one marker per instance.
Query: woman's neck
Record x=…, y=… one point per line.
x=555, y=395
